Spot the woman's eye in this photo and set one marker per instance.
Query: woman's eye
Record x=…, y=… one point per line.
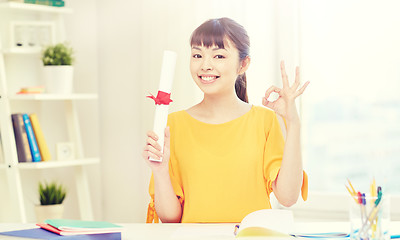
x=196, y=56
x=219, y=56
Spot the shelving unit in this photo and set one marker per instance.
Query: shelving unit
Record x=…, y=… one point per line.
x=8, y=98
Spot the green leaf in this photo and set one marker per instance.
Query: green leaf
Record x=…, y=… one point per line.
x=59, y=54
x=51, y=193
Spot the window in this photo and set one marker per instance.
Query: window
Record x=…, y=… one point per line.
x=352, y=107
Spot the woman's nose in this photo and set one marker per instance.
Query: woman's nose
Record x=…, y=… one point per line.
x=206, y=64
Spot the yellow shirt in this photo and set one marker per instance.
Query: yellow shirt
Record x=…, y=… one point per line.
x=222, y=172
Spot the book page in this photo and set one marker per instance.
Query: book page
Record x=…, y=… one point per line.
x=267, y=222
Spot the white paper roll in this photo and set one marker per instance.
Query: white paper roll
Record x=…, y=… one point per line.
x=166, y=80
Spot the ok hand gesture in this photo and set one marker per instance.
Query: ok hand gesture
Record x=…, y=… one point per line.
x=285, y=105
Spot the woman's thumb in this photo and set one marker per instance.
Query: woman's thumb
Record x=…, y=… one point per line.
x=166, y=137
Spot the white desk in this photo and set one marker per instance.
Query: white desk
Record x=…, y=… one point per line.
x=138, y=231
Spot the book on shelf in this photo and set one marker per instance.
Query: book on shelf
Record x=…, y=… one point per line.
x=21, y=138
x=68, y=227
x=31, y=90
x=31, y=139
x=54, y=3
x=40, y=233
x=37, y=130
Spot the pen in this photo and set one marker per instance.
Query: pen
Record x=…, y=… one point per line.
x=367, y=223
x=353, y=191
x=352, y=195
x=373, y=195
x=236, y=229
x=363, y=203
x=362, y=210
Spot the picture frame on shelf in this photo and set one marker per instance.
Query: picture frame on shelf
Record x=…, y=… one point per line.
x=32, y=35
x=65, y=151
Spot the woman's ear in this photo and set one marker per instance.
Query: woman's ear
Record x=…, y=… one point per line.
x=244, y=65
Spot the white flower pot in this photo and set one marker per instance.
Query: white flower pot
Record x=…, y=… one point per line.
x=58, y=79
x=44, y=212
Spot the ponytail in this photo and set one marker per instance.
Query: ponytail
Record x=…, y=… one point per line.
x=241, y=87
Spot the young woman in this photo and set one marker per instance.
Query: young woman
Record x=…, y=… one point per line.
x=223, y=157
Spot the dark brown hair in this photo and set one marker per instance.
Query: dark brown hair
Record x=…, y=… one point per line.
x=213, y=32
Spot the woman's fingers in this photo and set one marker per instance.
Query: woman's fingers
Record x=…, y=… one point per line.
x=271, y=90
x=296, y=83
x=150, y=151
x=267, y=103
x=285, y=80
x=152, y=148
x=150, y=141
x=292, y=89
x=301, y=90
x=147, y=154
x=152, y=135
x=166, y=137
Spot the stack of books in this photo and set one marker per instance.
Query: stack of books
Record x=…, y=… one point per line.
x=59, y=229
x=31, y=90
x=29, y=138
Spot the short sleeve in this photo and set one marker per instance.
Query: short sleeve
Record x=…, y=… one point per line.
x=304, y=187
x=273, y=154
x=151, y=211
x=273, y=151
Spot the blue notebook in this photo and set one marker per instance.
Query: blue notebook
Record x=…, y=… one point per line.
x=31, y=139
x=39, y=233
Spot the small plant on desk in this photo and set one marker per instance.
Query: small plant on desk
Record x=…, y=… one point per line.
x=51, y=197
x=51, y=193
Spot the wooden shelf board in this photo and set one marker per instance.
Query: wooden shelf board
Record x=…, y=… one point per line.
x=48, y=96
x=58, y=164
x=34, y=7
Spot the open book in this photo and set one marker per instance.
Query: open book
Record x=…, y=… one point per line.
x=267, y=222
x=276, y=223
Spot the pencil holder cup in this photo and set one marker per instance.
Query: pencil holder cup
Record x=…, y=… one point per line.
x=369, y=218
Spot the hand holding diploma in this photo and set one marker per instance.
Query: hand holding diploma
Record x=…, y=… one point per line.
x=162, y=101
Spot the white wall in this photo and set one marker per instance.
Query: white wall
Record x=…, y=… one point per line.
x=81, y=29
x=123, y=173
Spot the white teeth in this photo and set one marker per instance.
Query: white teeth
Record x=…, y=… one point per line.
x=207, y=78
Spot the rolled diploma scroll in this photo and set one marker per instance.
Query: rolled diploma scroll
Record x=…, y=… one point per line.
x=161, y=114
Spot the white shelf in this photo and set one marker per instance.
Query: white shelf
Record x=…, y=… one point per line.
x=54, y=164
x=58, y=164
x=34, y=7
x=11, y=14
x=51, y=97
x=23, y=50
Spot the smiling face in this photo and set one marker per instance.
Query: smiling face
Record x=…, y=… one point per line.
x=215, y=69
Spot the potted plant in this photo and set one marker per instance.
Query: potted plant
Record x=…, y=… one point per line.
x=51, y=196
x=58, y=68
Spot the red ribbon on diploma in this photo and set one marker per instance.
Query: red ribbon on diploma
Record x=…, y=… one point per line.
x=162, y=98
